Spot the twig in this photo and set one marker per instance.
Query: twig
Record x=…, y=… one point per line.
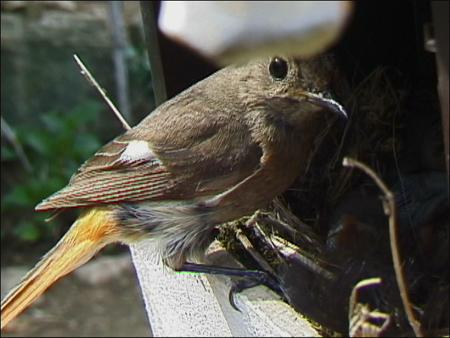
x=249, y=246
x=360, y=316
x=10, y=135
x=390, y=210
x=293, y=252
x=85, y=72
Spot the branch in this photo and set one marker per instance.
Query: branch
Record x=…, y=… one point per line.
x=390, y=210
x=85, y=72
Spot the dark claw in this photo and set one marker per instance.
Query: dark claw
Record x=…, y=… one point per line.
x=250, y=278
x=231, y=300
x=244, y=284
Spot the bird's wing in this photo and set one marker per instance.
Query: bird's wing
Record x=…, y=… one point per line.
x=167, y=156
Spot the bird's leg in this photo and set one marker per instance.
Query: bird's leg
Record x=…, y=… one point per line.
x=250, y=278
x=256, y=277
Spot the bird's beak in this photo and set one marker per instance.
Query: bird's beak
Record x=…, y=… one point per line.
x=325, y=100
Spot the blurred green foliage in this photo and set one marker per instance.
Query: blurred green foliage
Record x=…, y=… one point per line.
x=56, y=146
x=139, y=67
x=141, y=84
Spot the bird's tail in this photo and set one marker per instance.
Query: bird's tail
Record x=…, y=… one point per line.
x=94, y=229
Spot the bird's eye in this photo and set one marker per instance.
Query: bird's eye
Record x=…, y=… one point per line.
x=278, y=68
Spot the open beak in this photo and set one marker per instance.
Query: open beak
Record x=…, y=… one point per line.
x=325, y=100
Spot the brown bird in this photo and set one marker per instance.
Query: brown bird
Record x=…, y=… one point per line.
x=218, y=151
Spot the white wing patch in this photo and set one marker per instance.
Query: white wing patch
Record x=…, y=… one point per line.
x=138, y=151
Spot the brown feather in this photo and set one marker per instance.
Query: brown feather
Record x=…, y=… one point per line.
x=183, y=167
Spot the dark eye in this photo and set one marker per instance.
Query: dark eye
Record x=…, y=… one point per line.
x=278, y=68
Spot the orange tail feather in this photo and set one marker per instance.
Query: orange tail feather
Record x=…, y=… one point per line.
x=94, y=229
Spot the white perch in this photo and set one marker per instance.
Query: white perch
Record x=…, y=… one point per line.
x=197, y=305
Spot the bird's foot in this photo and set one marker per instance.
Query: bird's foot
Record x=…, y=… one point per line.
x=249, y=278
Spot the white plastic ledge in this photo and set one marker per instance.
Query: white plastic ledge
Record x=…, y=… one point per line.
x=197, y=305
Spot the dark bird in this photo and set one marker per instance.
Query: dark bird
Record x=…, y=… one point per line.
x=218, y=151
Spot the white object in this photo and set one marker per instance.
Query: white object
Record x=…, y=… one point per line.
x=233, y=31
x=191, y=304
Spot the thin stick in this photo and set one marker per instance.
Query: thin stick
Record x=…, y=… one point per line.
x=361, y=319
x=390, y=210
x=85, y=72
x=10, y=135
x=293, y=252
x=249, y=246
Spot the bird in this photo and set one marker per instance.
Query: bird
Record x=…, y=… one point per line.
x=218, y=151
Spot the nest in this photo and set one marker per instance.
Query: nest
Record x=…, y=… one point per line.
x=326, y=240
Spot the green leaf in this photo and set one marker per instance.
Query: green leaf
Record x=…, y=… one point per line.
x=54, y=121
x=41, y=141
x=85, y=145
x=8, y=154
x=56, y=146
x=28, y=232
x=84, y=113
